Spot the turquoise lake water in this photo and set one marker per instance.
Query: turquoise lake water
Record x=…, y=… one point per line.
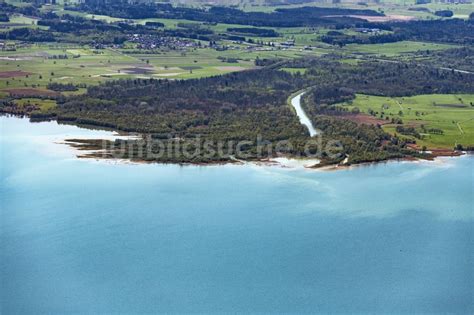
x=82, y=236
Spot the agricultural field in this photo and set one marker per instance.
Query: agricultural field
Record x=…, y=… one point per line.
x=395, y=49
x=202, y=62
x=302, y=35
x=41, y=104
x=44, y=63
x=389, y=7
x=37, y=65
x=19, y=21
x=442, y=120
x=41, y=64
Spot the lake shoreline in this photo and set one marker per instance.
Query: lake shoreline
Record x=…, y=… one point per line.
x=168, y=238
x=269, y=162
x=99, y=153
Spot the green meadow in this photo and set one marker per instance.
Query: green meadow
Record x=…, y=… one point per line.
x=389, y=7
x=85, y=65
x=82, y=65
x=19, y=21
x=43, y=105
x=451, y=113
x=91, y=66
x=394, y=49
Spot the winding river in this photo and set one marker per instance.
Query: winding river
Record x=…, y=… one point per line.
x=304, y=119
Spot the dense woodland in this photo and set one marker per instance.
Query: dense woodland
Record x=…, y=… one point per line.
x=74, y=29
x=455, y=31
x=307, y=16
x=252, y=105
x=253, y=31
x=457, y=58
x=29, y=10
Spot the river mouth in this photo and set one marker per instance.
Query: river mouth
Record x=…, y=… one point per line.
x=304, y=119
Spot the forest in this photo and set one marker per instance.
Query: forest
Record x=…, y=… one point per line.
x=457, y=58
x=294, y=17
x=76, y=29
x=253, y=31
x=454, y=31
x=251, y=105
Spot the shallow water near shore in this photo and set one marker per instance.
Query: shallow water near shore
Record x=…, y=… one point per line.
x=80, y=236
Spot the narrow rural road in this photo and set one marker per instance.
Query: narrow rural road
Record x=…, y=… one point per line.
x=456, y=70
x=398, y=61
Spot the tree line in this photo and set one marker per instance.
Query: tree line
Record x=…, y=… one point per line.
x=281, y=17
x=252, y=104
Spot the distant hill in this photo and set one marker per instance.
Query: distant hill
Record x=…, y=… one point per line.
x=259, y=2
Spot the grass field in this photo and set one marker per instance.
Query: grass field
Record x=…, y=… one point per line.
x=43, y=105
x=85, y=65
x=19, y=21
x=452, y=113
x=302, y=35
x=394, y=49
x=389, y=7
x=90, y=66
x=36, y=59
